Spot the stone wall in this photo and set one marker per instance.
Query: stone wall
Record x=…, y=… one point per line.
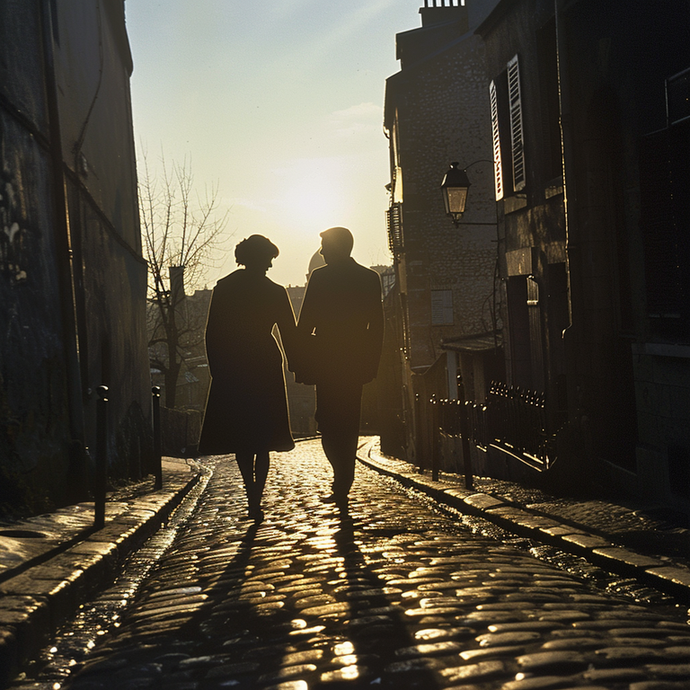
x=72, y=294
x=443, y=116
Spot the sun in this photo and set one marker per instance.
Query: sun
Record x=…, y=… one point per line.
x=313, y=192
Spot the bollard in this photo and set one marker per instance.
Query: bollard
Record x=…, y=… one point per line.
x=101, y=456
x=157, y=440
x=465, y=434
x=419, y=432
x=435, y=436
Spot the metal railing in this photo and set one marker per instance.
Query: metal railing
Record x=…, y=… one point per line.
x=518, y=421
x=511, y=419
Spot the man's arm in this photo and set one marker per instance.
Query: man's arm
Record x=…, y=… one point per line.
x=307, y=314
x=303, y=361
x=375, y=328
x=285, y=318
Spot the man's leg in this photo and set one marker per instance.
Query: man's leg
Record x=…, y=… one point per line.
x=341, y=451
x=338, y=412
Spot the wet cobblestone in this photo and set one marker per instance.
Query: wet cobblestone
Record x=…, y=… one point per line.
x=396, y=595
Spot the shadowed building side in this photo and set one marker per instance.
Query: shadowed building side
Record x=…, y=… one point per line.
x=594, y=221
x=73, y=282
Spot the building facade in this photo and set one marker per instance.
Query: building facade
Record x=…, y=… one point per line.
x=582, y=109
x=446, y=292
x=72, y=276
x=590, y=122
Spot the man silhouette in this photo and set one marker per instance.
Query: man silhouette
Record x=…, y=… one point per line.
x=341, y=329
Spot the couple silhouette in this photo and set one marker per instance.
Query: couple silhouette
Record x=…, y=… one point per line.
x=335, y=344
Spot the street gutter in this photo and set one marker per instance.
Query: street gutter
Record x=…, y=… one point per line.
x=601, y=550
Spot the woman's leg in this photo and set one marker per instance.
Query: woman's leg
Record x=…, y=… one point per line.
x=245, y=461
x=260, y=474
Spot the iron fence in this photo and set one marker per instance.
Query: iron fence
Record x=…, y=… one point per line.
x=511, y=418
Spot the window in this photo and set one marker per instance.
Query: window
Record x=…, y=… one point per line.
x=665, y=210
x=678, y=97
x=442, y=308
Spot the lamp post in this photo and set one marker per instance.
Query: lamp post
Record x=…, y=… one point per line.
x=455, y=187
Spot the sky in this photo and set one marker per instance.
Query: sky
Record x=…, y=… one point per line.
x=280, y=104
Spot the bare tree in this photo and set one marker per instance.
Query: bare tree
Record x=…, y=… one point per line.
x=183, y=235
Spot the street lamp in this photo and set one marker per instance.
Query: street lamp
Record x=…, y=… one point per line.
x=454, y=188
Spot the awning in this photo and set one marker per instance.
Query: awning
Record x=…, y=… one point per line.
x=473, y=343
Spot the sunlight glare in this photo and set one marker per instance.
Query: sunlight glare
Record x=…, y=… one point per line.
x=349, y=672
x=314, y=193
x=343, y=648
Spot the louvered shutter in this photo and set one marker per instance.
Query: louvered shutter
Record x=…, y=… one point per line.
x=516, y=132
x=496, y=137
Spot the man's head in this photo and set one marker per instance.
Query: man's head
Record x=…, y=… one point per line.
x=336, y=244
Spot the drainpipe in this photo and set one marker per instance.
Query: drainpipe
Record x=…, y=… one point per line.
x=569, y=185
x=573, y=243
x=63, y=244
x=577, y=413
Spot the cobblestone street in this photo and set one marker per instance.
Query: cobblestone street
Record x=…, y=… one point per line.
x=395, y=595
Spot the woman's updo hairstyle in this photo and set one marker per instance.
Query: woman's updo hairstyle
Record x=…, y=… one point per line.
x=256, y=251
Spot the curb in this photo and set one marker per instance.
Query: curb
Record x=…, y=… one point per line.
x=673, y=580
x=36, y=601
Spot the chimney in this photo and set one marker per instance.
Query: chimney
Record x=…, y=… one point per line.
x=176, y=284
x=444, y=12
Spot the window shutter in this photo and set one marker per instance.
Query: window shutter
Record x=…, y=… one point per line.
x=496, y=137
x=516, y=133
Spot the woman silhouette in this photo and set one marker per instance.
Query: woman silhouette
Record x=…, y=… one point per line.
x=246, y=411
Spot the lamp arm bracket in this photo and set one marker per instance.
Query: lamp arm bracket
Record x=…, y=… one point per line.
x=481, y=160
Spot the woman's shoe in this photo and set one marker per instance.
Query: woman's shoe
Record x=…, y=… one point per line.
x=340, y=501
x=256, y=514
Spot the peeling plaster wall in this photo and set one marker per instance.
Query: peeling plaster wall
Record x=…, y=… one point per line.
x=92, y=70
x=33, y=386
x=34, y=428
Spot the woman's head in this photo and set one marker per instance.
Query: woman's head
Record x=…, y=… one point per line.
x=256, y=252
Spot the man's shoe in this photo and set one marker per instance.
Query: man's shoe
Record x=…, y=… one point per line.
x=256, y=514
x=340, y=501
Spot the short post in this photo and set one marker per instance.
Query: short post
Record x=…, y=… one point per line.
x=419, y=431
x=435, y=436
x=157, y=440
x=101, y=456
x=465, y=433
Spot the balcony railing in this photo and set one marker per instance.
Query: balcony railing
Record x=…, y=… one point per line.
x=395, y=229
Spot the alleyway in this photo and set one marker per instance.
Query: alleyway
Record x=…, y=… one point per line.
x=396, y=595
